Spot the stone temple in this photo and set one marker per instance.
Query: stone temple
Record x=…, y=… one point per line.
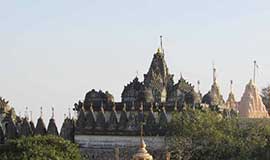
x=108, y=130
x=104, y=125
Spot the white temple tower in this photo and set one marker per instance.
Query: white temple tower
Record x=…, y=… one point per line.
x=251, y=105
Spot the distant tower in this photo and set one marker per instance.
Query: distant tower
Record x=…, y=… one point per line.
x=231, y=102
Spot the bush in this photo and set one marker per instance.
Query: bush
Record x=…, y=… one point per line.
x=204, y=135
x=39, y=148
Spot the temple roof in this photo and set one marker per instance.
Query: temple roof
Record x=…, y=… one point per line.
x=26, y=129
x=52, y=128
x=68, y=129
x=40, y=128
x=158, y=76
x=213, y=97
x=11, y=130
x=251, y=104
x=133, y=91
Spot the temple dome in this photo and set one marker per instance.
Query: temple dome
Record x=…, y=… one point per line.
x=251, y=105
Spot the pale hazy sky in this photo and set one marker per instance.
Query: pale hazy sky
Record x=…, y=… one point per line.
x=53, y=51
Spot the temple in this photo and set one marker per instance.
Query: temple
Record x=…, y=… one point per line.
x=104, y=128
x=251, y=105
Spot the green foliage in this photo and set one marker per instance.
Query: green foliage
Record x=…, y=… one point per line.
x=204, y=135
x=39, y=148
x=265, y=94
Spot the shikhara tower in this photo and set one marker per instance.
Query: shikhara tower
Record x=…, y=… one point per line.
x=158, y=81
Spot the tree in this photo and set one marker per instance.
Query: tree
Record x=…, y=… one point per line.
x=265, y=94
x=205, y=134
x=39, y=148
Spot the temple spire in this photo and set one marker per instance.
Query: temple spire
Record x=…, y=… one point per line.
x=214, y=73
x=41, y=112
x=161, y=44
x=254, y=71
x=69, y=113
x=26, y=113
x=198, y=83
x=52, y=113
x=231, y=86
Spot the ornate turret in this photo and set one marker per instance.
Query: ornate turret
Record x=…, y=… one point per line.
x=52, y=128
x=132, y=119
x=113, y=120
x=133, y=91
x=90, y=119
x=10, y=127
x=40, y=128
x=158, y=79
x=26, y=128
x=214, y=97
x=151, y=123
x=97, y=98
x=32, y=125
x=123, y=122
x=231, y=102
x=81, y=121
x=183, y=92
x=101, y=119
x=251, y=104
x=68, y=129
